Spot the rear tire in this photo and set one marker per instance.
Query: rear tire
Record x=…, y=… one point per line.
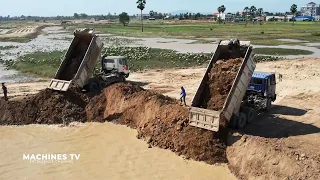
x=233, y=122
x=241, y=121
x=93, y=87
x=268, y=105
x=250, y=114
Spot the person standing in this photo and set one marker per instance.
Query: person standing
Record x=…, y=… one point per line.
x=5, y=92
x=183, y=95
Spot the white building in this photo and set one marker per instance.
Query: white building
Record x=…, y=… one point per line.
x=311, y=9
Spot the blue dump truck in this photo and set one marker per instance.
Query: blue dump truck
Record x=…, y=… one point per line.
x=251, y=92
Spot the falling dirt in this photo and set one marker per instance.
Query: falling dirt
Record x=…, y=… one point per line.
x=159, y=120
x=220, y=82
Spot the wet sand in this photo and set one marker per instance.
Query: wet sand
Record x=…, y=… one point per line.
x=107, y=151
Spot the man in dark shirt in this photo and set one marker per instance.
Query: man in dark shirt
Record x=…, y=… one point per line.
x=4, y=89
x=183, y=96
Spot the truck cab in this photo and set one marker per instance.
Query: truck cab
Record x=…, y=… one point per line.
x=263, y=84
x=115, y=64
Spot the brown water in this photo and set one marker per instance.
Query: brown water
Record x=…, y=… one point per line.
x=107, y=151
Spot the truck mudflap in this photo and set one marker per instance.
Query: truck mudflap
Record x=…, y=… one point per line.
x=59, y=85
x=204, y=118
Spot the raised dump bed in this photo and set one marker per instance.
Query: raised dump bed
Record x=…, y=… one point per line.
x=211, y=108
x=79, y=61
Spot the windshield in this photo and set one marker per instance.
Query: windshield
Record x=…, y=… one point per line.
x=256, y=81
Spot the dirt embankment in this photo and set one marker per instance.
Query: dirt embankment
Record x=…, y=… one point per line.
x=45, y=107
x=220, y=82
x=159, y=120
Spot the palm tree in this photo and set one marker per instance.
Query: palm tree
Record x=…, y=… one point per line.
x=253, y=11
x=260, y=12
x=223, y=9
x=245, y=12
x=141, y=4
x=219, y=10
x=293, y=9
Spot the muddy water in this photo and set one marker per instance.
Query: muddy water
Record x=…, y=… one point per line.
x=107, y=151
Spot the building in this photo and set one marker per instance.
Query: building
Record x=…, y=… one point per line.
x=311, y=9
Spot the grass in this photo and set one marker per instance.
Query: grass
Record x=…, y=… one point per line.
x=281, y=51
x=15, y=39
x=7, y=47
x=44, y=64
x=266, y=34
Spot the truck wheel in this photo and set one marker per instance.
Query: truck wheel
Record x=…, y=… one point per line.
x=242, y=120
x=93, y=87
x=250, y=114
x=102, y=85
x=233, y=122
x=268, y=105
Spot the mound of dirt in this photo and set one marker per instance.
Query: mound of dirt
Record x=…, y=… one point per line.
x=220, y=82
x=46, y=107
x=158, y=119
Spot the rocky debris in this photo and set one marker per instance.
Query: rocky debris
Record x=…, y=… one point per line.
x=221, y=78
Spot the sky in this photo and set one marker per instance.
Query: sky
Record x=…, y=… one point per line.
x=95, y=7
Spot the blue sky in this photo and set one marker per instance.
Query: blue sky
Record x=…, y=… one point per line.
x=68, y=7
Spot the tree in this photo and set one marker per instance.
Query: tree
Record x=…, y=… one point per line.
x=260, y=12
x=83, y=15
x=124, y=18
x=253, y=11
x=76, y=16
x=141, y=4
x=219, y=10
x=245, y=13
x=151, y=13
x=293, y=9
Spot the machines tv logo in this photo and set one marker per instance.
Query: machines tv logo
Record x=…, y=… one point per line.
x=51, y=158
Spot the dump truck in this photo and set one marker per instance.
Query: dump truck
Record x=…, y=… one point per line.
x=245, y=98
x=79, y=62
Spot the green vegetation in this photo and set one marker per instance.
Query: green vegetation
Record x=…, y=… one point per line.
x=124, y=18
x=281, y=51
x=44, y=64
x=7, y=47
x=266, y=34
x=15, y=39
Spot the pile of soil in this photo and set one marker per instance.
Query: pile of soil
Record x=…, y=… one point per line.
x=221, y=78
x=159, y=120
x=46, y=107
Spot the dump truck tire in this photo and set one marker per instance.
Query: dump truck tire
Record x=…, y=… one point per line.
x=250, y=114
x=268, y=105
x=233, y=122
x=242, y=120
x=102, y=85
x=93, y=87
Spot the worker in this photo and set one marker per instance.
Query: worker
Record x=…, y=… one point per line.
x=4, y=89
x=183, y=95
x=280, y=77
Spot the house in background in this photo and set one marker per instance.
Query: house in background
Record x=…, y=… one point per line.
x=310, y=9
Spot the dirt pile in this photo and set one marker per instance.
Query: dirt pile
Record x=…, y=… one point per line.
x=46, y=107
x=220, y=82
x=158, y=119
